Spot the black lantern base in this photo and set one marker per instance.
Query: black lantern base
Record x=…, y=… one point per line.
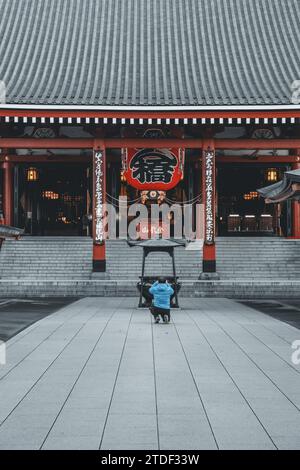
x=148, y=298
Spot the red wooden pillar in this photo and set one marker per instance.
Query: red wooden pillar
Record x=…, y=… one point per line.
x=296, y=209
x=8, y=192
x=209, y=201
x=99, y=198
x=2, y=221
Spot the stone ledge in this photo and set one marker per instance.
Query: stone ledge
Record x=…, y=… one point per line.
x=123, y=288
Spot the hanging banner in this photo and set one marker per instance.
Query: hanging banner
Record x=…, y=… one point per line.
x=209, y=170
x=99, y=197
x=159, y=169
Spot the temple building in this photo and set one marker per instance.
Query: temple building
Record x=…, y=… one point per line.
x=180, y=101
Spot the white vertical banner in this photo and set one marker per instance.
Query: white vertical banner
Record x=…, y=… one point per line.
x=99, y=196
x=209, y=176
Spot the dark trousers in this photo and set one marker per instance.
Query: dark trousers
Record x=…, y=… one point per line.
x=160, y=311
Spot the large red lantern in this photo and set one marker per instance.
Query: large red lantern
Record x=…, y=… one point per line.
x=158, y=169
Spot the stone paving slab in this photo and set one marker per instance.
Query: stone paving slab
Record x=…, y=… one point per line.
x=98, y=374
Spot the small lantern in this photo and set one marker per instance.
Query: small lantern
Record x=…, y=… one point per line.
x=50, y=195
x=272, y=175
x=123, y=177
x=32, y=174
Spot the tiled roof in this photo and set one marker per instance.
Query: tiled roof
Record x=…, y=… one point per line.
x=287, y=188
x=149, y=52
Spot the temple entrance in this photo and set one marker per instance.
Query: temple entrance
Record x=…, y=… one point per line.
x=186, y=192
x=241, y=212
x=52, y=199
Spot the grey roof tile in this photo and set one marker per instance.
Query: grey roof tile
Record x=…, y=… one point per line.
x=149, y=52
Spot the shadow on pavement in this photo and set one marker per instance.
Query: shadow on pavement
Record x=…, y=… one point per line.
x=18, y=314
x=287, y=311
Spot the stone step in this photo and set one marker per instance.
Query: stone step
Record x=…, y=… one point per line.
x=46, y=258
x=71, y=257
x=124, y=288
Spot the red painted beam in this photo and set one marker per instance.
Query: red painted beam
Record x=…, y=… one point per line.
x=46, y=158
x=84, y=158
x=154, y=143
x=260, y=159
x=20, y=143
x=91, y=143
x=242, y=144
x=149, y=114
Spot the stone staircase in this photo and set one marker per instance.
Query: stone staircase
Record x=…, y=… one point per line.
x=42, y=258
x=70, y=258
x=62, y=266
x=258, y=258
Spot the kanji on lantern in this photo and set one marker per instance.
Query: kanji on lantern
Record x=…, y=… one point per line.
x=154, y=168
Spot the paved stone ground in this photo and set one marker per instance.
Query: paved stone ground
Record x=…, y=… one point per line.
x=99, y=374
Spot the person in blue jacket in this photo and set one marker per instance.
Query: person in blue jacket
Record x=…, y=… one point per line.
x=162, y=293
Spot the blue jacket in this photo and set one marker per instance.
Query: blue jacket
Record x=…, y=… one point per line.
x=162, y=294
